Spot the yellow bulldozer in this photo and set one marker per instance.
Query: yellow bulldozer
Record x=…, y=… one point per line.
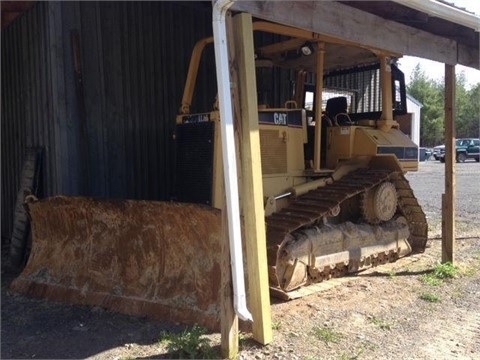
x=336, y=198
x=333, y=160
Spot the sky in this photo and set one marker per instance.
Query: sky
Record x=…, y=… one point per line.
x=436, y=70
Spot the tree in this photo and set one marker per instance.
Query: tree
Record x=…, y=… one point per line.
x=431, y=94
x=468, y=112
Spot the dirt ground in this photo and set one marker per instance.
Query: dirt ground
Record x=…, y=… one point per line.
x=388, y=312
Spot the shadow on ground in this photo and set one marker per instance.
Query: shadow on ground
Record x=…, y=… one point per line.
x=36, y=328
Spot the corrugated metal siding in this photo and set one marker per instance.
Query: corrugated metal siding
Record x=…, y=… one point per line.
x=134, y=58
x=26, y=102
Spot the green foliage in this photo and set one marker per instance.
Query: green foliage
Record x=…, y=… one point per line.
x=439, y=273
x=431, y=94
x=431, y=280
x=326, y=335
x=190, y=344
x=445, y=271
x=430, y=297
x=381, y=323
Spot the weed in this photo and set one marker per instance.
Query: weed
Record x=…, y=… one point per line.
x=326, y=335
x=381, y=323
x=276, y=325
x=190, y=344
x=430, y=298
x=445, y=271
x=439, y=273
x=391, y=274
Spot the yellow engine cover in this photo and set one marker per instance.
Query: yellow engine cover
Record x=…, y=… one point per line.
x=347, y=142
x=282, y=137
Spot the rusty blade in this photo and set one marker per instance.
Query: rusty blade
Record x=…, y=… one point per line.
x=144, y=258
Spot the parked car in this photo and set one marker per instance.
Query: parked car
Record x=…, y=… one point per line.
x=465, y=149
x=424, y=154
x=437, y=150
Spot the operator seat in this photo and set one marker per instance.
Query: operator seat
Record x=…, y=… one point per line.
x=336, y=111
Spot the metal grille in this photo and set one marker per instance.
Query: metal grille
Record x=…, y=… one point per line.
x=363, y=90
x=363, y=86
x=274, y=152
x=194, y=162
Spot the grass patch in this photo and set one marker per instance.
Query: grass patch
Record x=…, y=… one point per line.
x=326, y=335
x=381, y=323
x=430, y=298
x=440, y=273
x=189, y=344
x=445, y=271
x=431, y=280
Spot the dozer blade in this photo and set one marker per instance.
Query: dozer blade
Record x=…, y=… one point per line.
x=156, y=259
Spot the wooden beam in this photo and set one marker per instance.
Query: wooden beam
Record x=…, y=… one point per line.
x=345, y=22
x=448, y=200
x=252, y=187
x=469, y=56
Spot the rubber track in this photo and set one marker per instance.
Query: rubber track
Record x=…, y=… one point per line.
x=310, y=208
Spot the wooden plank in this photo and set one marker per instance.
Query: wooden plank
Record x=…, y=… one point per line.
x=252, y=195
x=347, y=23
x=448, y=229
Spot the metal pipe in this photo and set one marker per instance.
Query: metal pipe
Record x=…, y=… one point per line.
x=281, y=196
x=220, y=9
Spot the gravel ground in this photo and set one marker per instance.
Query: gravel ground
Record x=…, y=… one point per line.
x=379, y=313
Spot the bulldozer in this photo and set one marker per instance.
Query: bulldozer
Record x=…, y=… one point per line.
x=333, y=160
x=336, y=198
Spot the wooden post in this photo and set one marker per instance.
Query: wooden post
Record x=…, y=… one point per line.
x=448, y=230
x=252, y=187
x=386, y=80
x=320, y=56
